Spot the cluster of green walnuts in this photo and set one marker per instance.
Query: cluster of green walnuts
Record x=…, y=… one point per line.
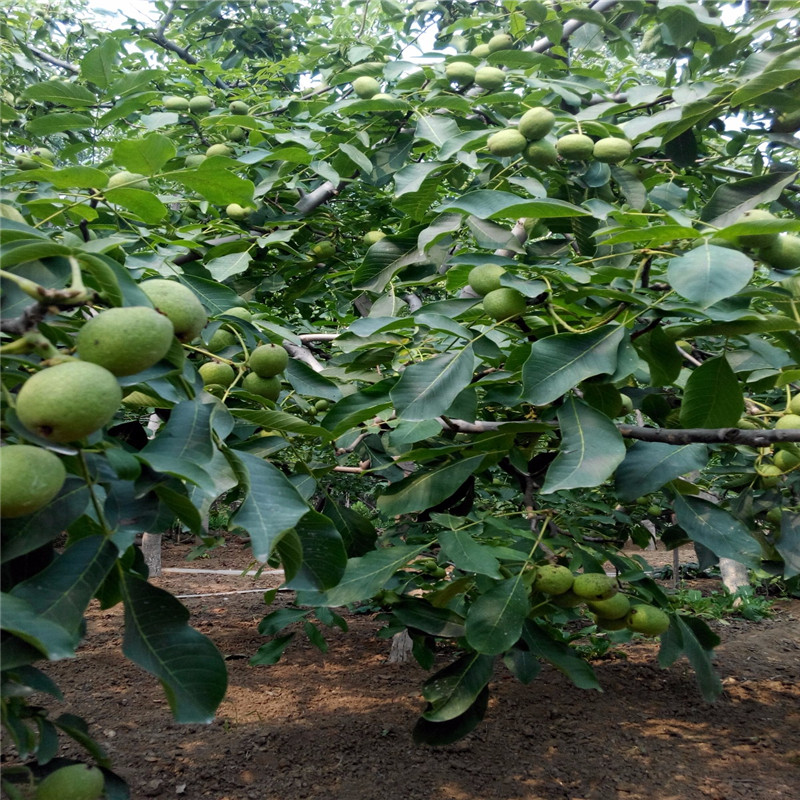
x=612, y=610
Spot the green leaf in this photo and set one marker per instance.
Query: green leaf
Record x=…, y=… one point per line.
x=272, y=505
x=713, y=397
x=443, y=733
x=60, y=93
x=363, y=576
x=717, y=530
x=731, y=200
x=271, y=652
x=469, y=555
x=358, y=407
x=279, y=421
x=184, y=445
x=21, y=251
x=70, y=177
x=19, y=617
x=649, y=465
x=709, y=273
x=358, y=533
x=691, y=636
x=560, y=655
x=357, y=157
x=495, y=619
x=57, y=122
x=159, y=640
x=661, y=355
x=227, y=266
x=215, y=297
x=781, y=71
x=453, y=690
x=146, y=155
x=591, y=448
x=436, y=129
x=423, y=491
x=324, y=556
x=61, y=591
x=428, y=388
x=788, y=545
x=98, y=65
x=143, y=204
x=490, y=204
x=559, y=363
x=415, y=612
x=217, y=185
x=304, y=380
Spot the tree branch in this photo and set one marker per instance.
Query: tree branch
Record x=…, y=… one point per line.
x=543, y=44
x=56, y=62
x=320, y=195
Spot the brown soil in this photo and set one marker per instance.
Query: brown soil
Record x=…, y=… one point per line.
x=337, y=726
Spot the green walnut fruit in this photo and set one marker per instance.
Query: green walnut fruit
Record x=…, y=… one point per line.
x=321, y=405
x=500, y=41
x=553, y=579
x=125, y=340
x=45, y=153
x=179, y=304
x=654, y=510
x=541, y=154
x=786, y=460
x=219, y=150
x=480, y=51
x=490, y=78
x=747, y=425
x=239, y=312
x=238, y=213
x=366, y=87
x=509, y=142
x=626, y=404
x=324, y=249
x=201, y=104
x=220, y=340
x=30, y=477
x=648, y=620
x=536, y=123
x=194, y=160
x=173, y=102
x=594, y=586
x=769, y=475
x=237, y=134
x=794, y=405
x=269, y=388
x=788, y=421
x=127, y=180
x=75, y=782
x=460, y=72
x=216, y=372
x=372, y=237
x=775, y=516
x=485, y=278
x=24, y=162
x=757, y=239
x=616, y=607
x=68, y=401
x=575, y=147
x=612, y=150
x=783, y=253
x=239, y=108
x=268, y=360
x=504, y=303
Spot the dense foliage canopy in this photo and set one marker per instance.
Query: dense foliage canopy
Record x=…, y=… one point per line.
x=334, y=180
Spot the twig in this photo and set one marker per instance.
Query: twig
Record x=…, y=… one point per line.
x=56, y=62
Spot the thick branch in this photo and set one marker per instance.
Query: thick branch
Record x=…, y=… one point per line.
x=544, y=44
x=159, y=38
x=320, y=195
x=56, y=62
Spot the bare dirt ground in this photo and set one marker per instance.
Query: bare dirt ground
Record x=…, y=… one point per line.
x=337, y=726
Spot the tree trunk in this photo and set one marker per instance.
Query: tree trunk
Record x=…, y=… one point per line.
x=151, y=550
x=734, y=575
x=401, y=648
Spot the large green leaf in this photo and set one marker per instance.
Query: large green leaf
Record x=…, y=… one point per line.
x=591, y=448
x=453, y=690
x=184, y=445
x=560, y=655
x=417, y=613
x=143, y=204
x=358, y=533
x=493, y=204
x=469, y=555
x=713, y=397
x=272, y=505
x=428, y=388
x=59, y=93
x=661, y=355
x=559, y=363
x=443, y=733
x=495, y=619
x=363, y=576
x=62, y=590
x=19, y=617
x=709, y=273
x=649, y=465
x=690, y=635
x=146, y=155
x=217, y=185
x=324, y=556
x=425, y=490
x=279, y=421
x=98, y=65
x=357, y=407
x=732, y=199
x=716, y=529
x=57, y=122
x=788, y=545
x=437, y=130
x=158, y=639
